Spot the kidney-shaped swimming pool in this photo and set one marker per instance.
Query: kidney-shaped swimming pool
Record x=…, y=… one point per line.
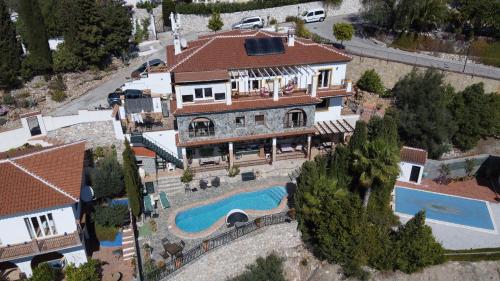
x=200, y=218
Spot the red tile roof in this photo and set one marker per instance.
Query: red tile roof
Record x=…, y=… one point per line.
x=413, y=155
x=185, y=77
x=142, y=151
x=226, y=50
x=43, y=179
x=257, y=103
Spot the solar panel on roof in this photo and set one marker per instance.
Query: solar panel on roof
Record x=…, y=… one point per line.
x=264, y=46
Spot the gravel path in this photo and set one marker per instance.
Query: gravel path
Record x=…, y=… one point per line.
x=231, y=260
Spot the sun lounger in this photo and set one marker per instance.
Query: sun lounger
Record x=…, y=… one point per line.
x=164, y=200
x=148, y=204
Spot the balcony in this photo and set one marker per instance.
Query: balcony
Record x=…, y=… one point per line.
x=147, y=122
x=40, y=246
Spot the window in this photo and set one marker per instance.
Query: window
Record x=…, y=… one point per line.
x=220, y=96
x=34, y=126
x=234, y=85
x=201, y=127
x=202, y=93
x=295, y=118
x=324, y=78
x=40, y=226
x=187, y=98
x=240, y=121
x=325, y=103
x=253, y=85
x=310, y=14
x=318, y=13
x=259, y=119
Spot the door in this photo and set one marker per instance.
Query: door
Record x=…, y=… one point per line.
x=415, y=173
x=310, y=17
x=324, y=78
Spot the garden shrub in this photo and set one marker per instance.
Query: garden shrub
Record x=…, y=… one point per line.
x=264, y=269
x=43, y=272
x=370, y=81
x=65, y=61
x=233, y=171
x=89, y=271
x=107, y=177
x=58, y=96
x=8, y=99
x=105, y=233
x=114, y=215
x=291, y=19
x=187, y=175
x=273, y=21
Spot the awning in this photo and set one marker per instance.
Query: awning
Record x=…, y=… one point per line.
x=335, y=126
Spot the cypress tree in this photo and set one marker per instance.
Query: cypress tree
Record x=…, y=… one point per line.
x=359, y=136
x=83, y=33
x=117, y=27
x=132, y=180
x=167, y=7
x=39, y=59
x=10, y=64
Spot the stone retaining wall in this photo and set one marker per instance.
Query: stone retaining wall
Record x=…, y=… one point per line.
x=99, y=133
x=198, y=23
x=391, y=72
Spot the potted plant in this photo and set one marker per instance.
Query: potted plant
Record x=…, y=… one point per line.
x=187, y=176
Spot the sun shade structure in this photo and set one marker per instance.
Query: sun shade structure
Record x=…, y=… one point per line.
x=138, y=105
x=264, y=46
x=335, y=127
x=234, y=216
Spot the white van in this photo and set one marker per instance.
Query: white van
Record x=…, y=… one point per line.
x=313, y=15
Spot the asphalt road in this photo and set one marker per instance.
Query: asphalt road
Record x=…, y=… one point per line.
x=364, y=46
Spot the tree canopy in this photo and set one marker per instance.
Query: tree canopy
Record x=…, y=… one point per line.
x=343, y=31
x=10, y=64
x=215, y=22
x=423, y=103
x=90, y=271
x=107, y=177
x=264, y=269
x=133, y=184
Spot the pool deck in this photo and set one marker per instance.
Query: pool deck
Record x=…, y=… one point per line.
x=182, y=234
x=457, y=237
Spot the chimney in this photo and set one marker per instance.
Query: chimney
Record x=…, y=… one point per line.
x=291, y=37
x=177, y=44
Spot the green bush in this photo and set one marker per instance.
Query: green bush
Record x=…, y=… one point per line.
x=370, y=81
x=148, y=5
x=90, y=271
x=215, y=22
x=43, y=272
x=105, y=233
x=114, y=215
x=264, y=269
x=58, y=96
x=234, y=171
x=8, y=99
x=57, y=83
x=291, y=19
x=65, y=61
x=187, y=176
x=273, y=21
x=207, y=9
x=107, y=177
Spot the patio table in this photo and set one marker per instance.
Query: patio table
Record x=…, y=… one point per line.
x=173, y=249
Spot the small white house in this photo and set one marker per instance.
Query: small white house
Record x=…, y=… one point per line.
x=40, y=208
x=412, y=164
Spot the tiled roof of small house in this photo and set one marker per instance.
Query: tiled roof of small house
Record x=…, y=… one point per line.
x=143, y=152
x=226, y=50
x=41, y=179
x=413, y=155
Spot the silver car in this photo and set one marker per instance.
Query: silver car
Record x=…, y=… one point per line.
x=250, y=22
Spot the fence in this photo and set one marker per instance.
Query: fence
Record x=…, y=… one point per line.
x=213, y=243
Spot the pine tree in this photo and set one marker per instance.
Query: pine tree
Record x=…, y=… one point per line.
x=117, y=27
x=39, y=59
x=359, y=136
x=83, y=34
x=10, y=64
x=132, y=180
x=167, y=7
x=215, y=22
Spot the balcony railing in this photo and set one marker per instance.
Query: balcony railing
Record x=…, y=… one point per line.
x=205, y=132
x=294, y=124
x=40, y=246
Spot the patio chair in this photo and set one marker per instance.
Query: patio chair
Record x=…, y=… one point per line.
x=203, y=184
x=216, y=182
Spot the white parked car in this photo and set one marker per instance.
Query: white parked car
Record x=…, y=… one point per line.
x=313, y=15
x=250, y=22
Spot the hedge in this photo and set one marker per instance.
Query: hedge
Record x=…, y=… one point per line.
x=207, y=9
x=105, y=233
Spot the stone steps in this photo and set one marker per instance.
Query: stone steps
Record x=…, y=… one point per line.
x=170, y=185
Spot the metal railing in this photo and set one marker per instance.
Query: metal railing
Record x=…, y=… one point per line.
x=215, y=242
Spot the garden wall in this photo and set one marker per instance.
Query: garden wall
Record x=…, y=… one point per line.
x=391, y=72
x=457, y=166
x=198, y=23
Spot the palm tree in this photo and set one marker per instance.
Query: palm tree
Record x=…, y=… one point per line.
x=376, y=163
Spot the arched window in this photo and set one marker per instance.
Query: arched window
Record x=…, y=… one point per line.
x=201, y=127
x=295, y=118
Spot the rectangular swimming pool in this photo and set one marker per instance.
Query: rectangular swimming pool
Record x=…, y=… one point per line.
x=445, y=208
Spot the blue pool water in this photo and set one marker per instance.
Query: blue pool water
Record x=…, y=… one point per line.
x=200, y=218
x=115, y=243
x=445, y=208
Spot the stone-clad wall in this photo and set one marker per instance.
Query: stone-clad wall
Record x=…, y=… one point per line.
x=198, y=23
x=225, y=126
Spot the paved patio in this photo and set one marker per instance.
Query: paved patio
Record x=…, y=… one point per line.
x=112, y=264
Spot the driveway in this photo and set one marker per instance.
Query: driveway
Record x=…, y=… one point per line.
x=361, y=45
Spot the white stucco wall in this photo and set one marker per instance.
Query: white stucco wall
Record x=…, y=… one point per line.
x=333, y=112
x=167, y=139
x=338, y=71
x=189, y=89
x=158, y=83
x=13, y=230
x=13, y=138
x=405, y=172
